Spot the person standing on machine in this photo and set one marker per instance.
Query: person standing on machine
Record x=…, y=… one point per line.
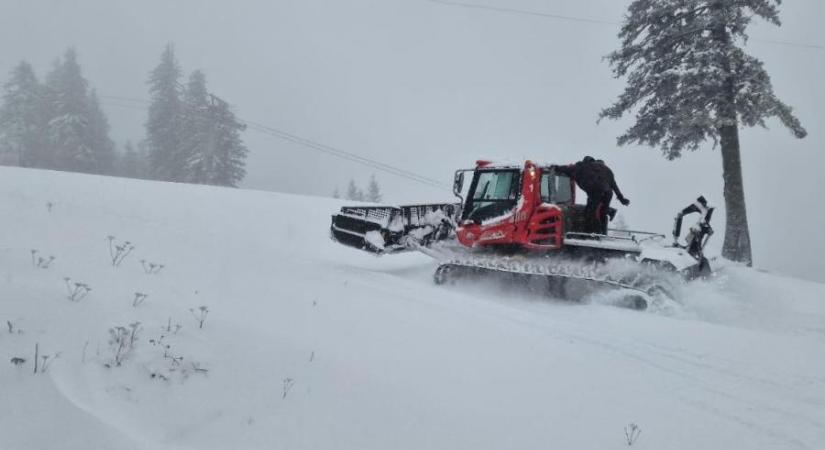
x=597, y=181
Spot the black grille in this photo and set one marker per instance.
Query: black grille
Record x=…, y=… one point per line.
x=359, y=226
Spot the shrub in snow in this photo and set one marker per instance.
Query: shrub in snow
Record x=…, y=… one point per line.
x=122, y=342
x=174, y=367
x=17, y=361
x=159, y=342
x=76, y=291
x=170, y=364
x=150, y=267
x=199, y=314
x=40, y=262
x=119, y=252
x=631, y=433
x=139, y=298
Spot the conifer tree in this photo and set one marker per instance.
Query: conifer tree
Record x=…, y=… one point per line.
x=22, y=119
x=353, y=192
x=230, y=162
x=68, y=130
x=102, y=145
x=165, y=116
x=211, y=142
x=197, y=147
x=373, y=191
x=689, y=80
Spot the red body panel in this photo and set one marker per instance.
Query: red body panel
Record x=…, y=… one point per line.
x=532, y=224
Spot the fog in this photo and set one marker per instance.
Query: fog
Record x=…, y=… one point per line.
x=430, y=88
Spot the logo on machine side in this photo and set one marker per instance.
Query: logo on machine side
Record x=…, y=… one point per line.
x=492, y=236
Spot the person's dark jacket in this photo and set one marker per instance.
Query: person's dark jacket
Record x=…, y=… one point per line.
x=593, y=177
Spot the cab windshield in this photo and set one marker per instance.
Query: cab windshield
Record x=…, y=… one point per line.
x=494, y=194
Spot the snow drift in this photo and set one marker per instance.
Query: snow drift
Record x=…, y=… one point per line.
x=307, y=344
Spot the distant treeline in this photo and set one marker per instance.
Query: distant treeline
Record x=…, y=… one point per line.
x=372, y=194
x=191, y=135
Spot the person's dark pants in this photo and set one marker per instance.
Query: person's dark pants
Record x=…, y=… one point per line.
x=598, y=205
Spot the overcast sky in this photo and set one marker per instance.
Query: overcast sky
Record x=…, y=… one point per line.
x=431, y=88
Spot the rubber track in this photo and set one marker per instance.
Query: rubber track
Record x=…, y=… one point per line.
x=633, y=276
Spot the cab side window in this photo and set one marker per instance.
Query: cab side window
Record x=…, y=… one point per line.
x=555, y=188
x=562, y=192
x=546, y=178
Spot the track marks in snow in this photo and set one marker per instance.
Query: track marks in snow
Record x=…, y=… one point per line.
x=755, y=394
x=705, y=377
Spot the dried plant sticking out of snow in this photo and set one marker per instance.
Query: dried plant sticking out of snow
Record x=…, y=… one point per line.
x=199, y=314
x=40, y=262
x=631, y=434
x=150, y=267
x=288, y=383
x=76, y=291
x=122, y=341
x=139, y=298
x=118, y=252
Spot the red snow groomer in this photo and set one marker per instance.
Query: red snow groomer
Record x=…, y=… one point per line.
x=523, y=221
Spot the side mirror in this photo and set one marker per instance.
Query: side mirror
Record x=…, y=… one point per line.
x=458, y=183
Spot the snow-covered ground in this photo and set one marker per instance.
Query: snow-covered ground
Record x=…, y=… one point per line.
x=310, y=345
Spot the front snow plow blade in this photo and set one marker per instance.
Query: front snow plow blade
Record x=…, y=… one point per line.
x=393, y=229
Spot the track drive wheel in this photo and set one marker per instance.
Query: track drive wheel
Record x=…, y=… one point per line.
x=636, y=301
x=442, y=274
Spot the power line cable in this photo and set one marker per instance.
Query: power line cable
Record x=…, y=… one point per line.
x=122, y=105
x=343, y=154
x=142, y=105
x=526, y=12
x=126, y=99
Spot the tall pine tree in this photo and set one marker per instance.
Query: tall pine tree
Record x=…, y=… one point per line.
x=230, y=167
x=197, y=146
x=68, y=130
x=373, y=191
x=22, y=119
x=165, y=117
x=102, y=145
x=214, y=151
x=689, y=80
x=353, y=192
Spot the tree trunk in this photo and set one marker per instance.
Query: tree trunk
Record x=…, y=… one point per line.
x=737, y=245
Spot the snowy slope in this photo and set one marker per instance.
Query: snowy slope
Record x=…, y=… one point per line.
x=371, y=353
